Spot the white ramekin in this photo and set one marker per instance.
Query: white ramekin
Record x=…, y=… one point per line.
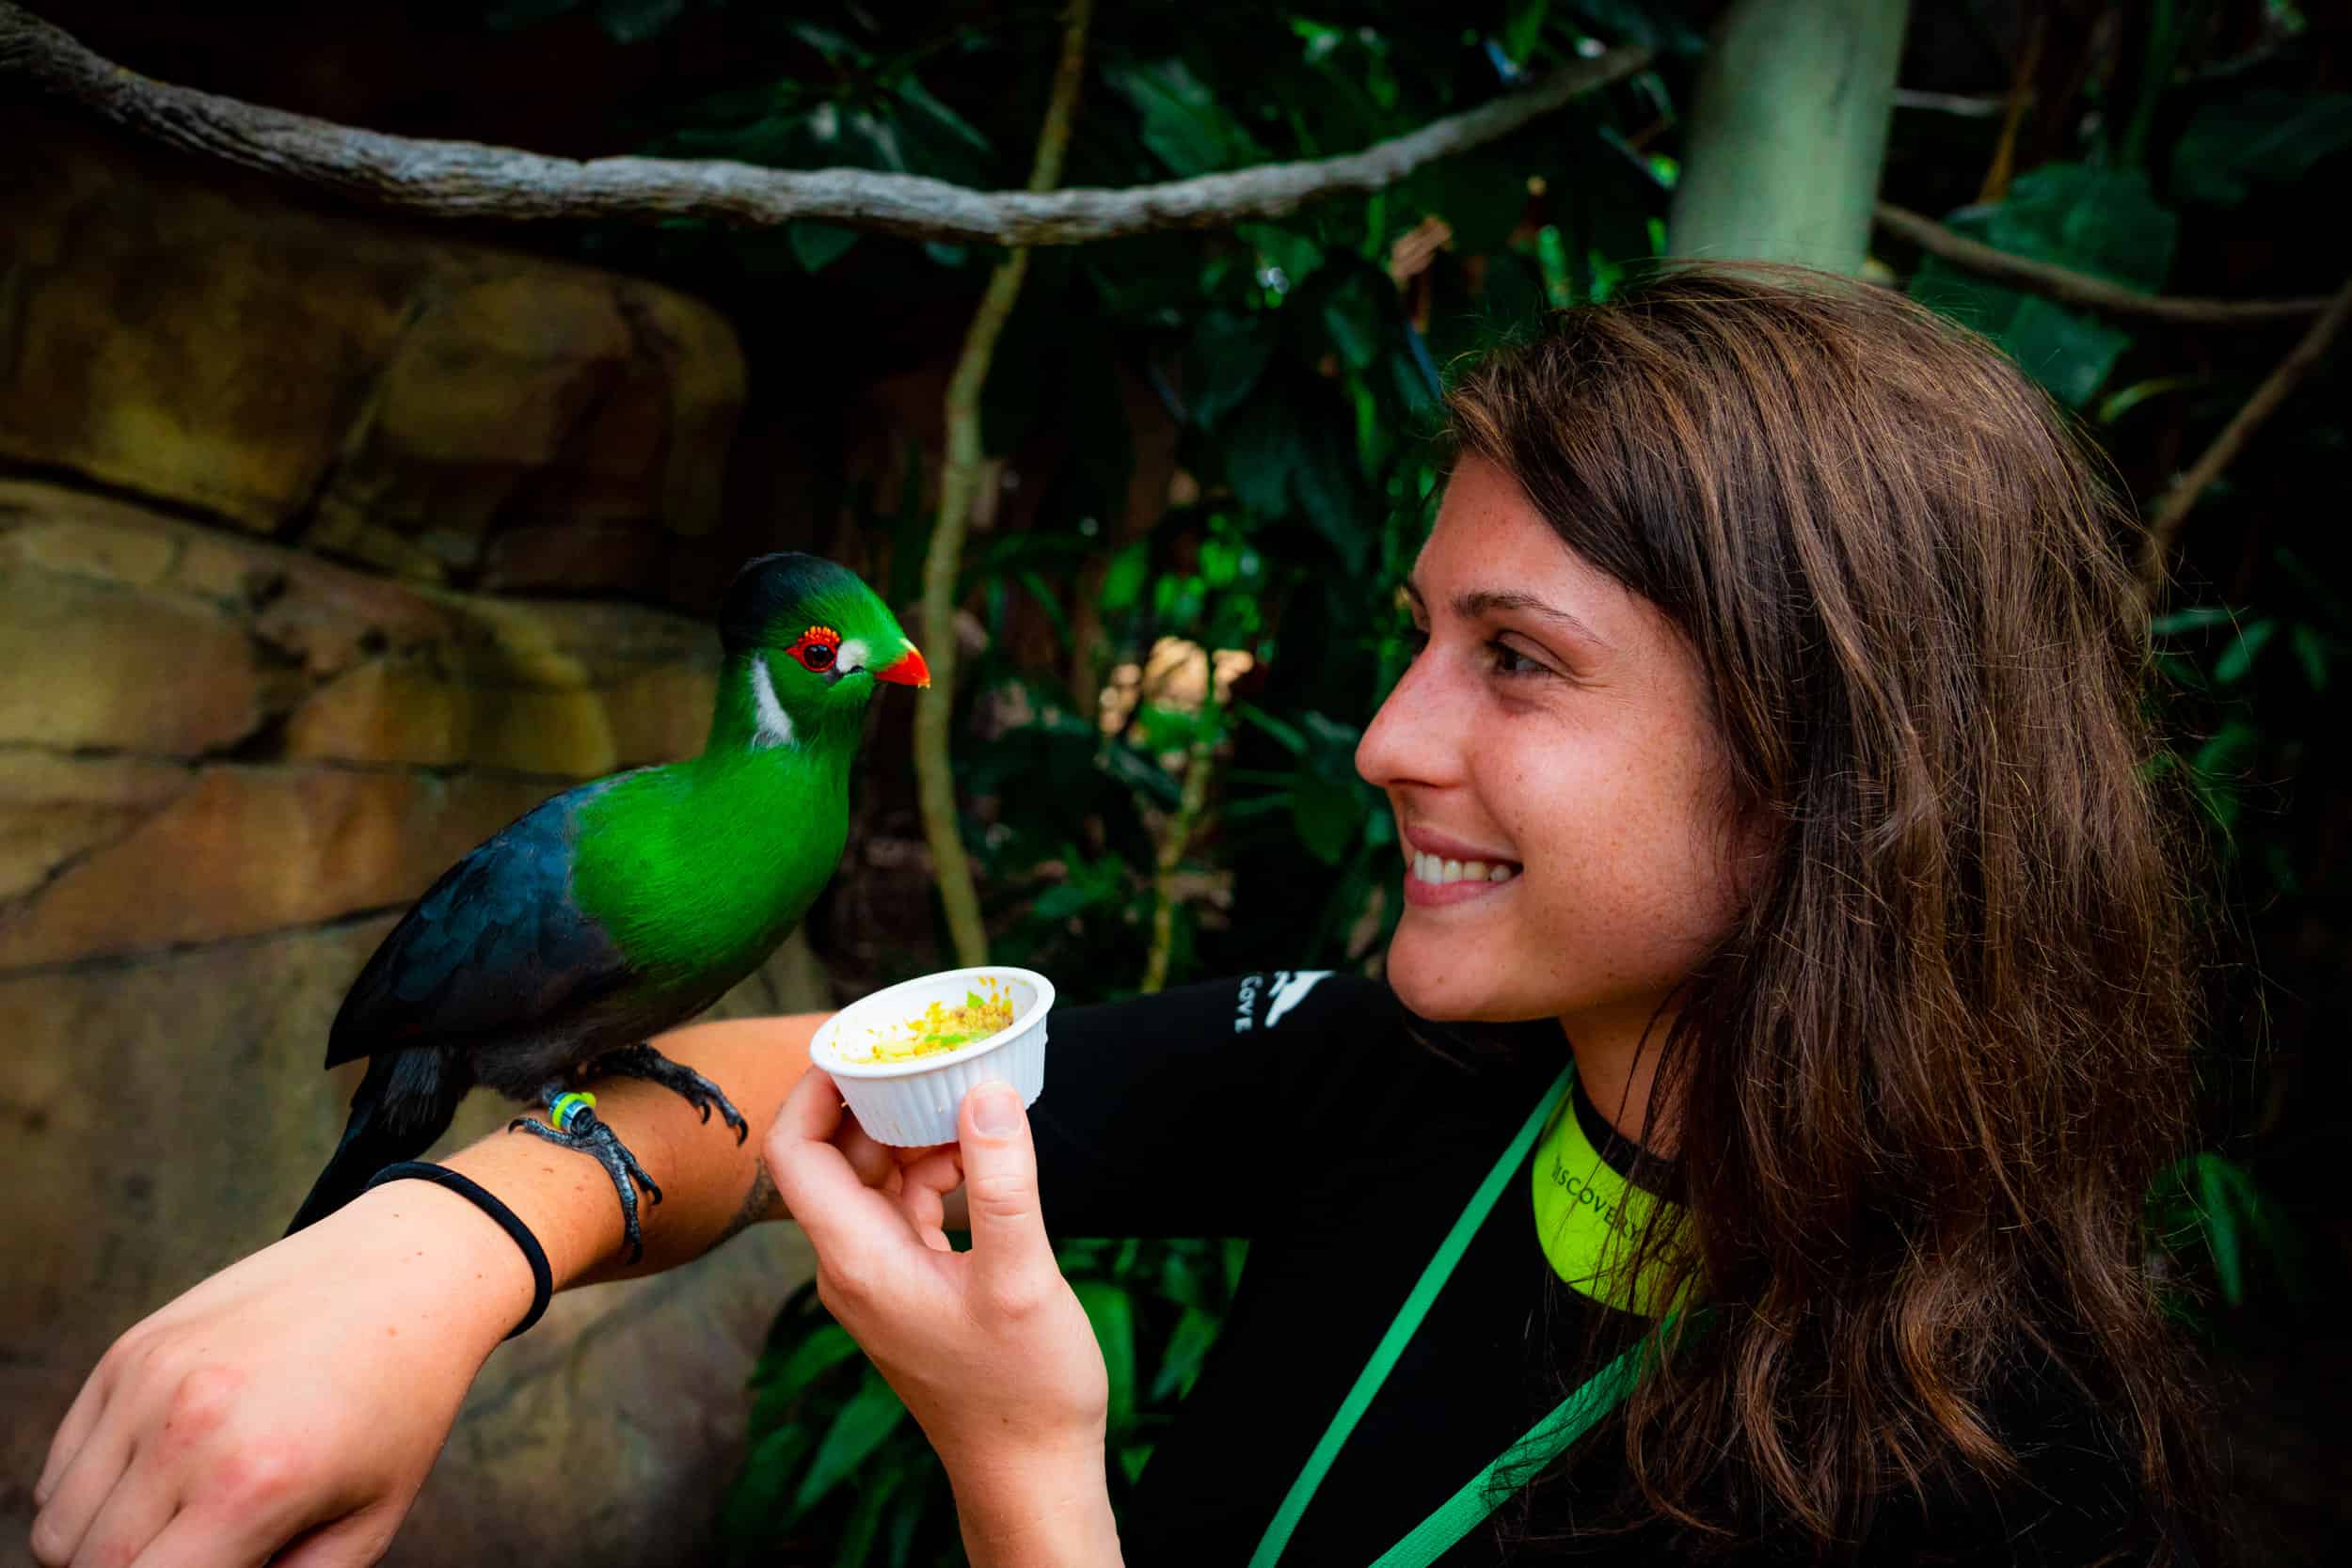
x=915, y=1102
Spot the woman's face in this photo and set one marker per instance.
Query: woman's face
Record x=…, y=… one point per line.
x=1555, y=725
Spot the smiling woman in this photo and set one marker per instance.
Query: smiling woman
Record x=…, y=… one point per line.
x=1812, y=709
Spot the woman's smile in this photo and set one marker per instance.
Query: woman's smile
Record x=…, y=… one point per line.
x=1439, y=870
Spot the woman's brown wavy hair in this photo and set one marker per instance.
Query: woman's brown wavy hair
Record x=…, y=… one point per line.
x=1922, y=1088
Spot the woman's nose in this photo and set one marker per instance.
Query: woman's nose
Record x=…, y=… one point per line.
x=1413, y=738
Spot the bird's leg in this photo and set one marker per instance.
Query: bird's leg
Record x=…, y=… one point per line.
x=644, y=1061
x=572, y=1123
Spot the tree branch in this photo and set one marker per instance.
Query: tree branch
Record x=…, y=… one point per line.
x=454, y=179
x=2164, y=527
x=1176, y=838
x=2077, y=288
x=965, y=470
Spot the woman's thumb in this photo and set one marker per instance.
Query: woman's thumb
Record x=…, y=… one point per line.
x=1009, y=1242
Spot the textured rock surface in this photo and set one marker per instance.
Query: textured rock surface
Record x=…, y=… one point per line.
x=329, y=376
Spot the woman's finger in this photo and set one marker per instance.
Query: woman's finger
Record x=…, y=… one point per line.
x=1011, y=1259
x=80, y=1417
x=923, y=1195
x=133, y=1514
x=846, y=1220
x=61, y=1528
x=352, y=1542
x=199, y=1538
x=871, y=1161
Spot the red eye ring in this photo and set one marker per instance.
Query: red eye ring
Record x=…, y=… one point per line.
x=817, y=648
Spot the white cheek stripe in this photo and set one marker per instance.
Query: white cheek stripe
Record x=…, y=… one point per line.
x=775, y=725
x=852, y=656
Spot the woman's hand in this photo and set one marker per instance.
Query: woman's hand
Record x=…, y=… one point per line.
x=988, y=1349
x=298, y=1395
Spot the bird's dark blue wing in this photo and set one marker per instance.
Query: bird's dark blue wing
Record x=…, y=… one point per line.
x=496, y=946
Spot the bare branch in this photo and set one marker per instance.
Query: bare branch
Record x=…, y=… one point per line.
x=960, y=477
x=2164, y=527
x=469, y=179
x=2078, y=288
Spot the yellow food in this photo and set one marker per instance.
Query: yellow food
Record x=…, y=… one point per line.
x=940, y=1027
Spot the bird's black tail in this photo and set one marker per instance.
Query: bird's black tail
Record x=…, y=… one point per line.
x=404, y=1102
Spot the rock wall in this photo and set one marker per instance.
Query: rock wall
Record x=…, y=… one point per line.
x=282, y=480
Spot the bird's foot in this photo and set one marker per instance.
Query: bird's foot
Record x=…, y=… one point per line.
x=644, y=1061
x=572, y=1123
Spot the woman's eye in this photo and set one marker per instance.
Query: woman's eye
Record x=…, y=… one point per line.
x=1510, y=661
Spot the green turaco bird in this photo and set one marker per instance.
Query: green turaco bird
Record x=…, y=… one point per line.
x=627, y=905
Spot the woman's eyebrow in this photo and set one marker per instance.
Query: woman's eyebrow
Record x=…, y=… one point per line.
x=1473, y=603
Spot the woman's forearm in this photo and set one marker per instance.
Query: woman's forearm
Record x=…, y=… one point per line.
x=711, y=1186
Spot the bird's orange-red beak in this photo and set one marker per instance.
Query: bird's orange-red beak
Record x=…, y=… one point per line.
x=907, y=670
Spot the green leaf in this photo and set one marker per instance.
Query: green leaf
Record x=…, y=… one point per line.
x=2311, y=646
x=1236, y=1253
x=815, y=246
x=1287, y=734
x=1328, y=816
x=1522, y=26
x=1260, y=446
x=2116, y=404
x=2067, y=352
x=2264, y=137
x=824, y=1347
x=1355, y=313
x=1122, y=581
x=2219, y=1215
x=1188, y=1348
x=1327, y=481
x=2194, y=617
x=2092, y=218
x=747, y=1519
x=1112, y=1311
x=1231, y=349
x=1181, y=121
x=863, y=1524
x=635, y=20
x=860, y=1427
x=1481, y=195
x=919, y=97
x=1132, y=1459
x=2238, y=658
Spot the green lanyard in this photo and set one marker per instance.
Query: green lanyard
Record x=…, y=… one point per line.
x=1468, y=1508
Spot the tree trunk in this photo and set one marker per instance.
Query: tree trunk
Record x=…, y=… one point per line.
x=1789, y=131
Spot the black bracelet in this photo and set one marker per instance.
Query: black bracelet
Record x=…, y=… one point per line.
x=542, y=1279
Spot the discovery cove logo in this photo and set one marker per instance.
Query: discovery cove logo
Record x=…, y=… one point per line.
x=1282, y=991
x=1601, y=1192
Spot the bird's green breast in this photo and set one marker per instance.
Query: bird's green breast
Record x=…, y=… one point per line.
x=704, y=867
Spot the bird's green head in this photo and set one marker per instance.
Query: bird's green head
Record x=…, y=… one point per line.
x=807, y=644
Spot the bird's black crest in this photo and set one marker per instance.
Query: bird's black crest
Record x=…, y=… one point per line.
x=771, y=585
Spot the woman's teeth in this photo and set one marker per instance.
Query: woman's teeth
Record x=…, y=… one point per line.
x=1430, y=868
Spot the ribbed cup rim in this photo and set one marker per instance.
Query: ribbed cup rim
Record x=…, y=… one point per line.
x=822, y=1052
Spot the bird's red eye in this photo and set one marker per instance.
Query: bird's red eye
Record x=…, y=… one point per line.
x=817, y=648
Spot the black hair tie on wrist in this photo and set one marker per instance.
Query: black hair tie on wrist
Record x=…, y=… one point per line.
x=542, y=1279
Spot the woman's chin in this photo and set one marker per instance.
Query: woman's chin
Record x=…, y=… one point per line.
x=1430, y=978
